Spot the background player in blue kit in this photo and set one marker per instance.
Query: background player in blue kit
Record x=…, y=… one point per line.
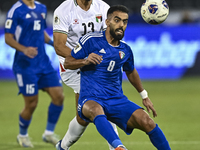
x=25, y=31
x=101, y=56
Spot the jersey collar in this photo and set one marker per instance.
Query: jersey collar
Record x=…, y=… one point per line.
x=26, y=5
x=77, y=4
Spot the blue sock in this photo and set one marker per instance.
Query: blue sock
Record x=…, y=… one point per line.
x=158, y=139
x=23, y=125
x=106, y=130
x=53, y=115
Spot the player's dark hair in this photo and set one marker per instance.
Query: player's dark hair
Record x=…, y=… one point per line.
x=117, y=8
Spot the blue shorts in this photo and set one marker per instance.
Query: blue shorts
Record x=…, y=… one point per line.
x=117, y=110
x=29, y=84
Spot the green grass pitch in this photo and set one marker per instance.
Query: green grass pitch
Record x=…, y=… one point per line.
x=176, y=102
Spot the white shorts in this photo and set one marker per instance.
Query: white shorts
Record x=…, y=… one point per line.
x=72, y=79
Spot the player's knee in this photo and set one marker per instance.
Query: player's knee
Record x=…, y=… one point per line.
x=30, y=108
x=148, y=123
x=59, y=98
x=91, y=112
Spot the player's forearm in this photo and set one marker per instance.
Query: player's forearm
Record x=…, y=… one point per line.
x=62, y=50
x=60, y=44
x=135, y=80
x=72, y=63
x=13, y=43
x=47, y=39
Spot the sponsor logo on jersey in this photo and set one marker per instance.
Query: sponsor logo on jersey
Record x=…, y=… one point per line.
x=56, y=20
x=43, y=15
x=76, y=21
x=8, y=24
x=121, y=54
x=28, y=16
x=99, y=18
x=102, y=51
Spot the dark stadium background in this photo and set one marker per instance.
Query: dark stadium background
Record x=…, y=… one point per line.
x=175, y=97
x=184, y=15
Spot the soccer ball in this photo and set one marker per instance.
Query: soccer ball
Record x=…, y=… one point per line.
x=154, y=11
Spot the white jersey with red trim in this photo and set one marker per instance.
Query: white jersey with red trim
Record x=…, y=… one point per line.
x=72, y=20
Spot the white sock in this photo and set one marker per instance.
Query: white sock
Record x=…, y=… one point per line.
x=74, y=132
x=20, y=135
x=115, y=129
x=47, y=132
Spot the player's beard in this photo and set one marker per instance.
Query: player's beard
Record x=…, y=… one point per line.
x=114, y=35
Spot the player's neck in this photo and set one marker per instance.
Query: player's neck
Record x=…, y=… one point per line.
x=29, y=3
x=110, y=39
x=84, y=4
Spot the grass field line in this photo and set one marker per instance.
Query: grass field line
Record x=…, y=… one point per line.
x=126, y=143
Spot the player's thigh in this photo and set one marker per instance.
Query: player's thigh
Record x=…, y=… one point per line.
x=119, y=111
x=72, y=79
x=91, y=109
x=51, y=83
x=140, y=119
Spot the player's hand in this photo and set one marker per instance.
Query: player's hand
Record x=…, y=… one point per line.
x=93, y=59
x=149, y=105
x=30, y=52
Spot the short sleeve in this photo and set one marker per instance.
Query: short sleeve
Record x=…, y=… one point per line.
x=80, y=51
x=11, y=22
x=60, y=21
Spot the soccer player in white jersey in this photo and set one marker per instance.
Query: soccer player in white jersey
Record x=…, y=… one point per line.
x=73, y=19
x=25, y=31
x=101, y=56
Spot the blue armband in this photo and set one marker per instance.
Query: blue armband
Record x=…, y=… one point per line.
x=50, y=43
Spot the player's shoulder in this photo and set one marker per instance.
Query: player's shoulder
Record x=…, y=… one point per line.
x=93, y=36
x=15, y=8
x=39, y=4
x=66, y=7
x=100, y=4
x=125, y=45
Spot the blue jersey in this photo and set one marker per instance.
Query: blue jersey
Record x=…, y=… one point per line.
x=103, y=80
x=28, y=24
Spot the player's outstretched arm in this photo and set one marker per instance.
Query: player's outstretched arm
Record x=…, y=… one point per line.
x=72, y=63
x=136, y=82
x=30, y=52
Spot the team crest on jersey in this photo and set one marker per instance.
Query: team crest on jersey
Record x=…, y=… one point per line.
x=76, y=21
x=99, y=18
x=56, y=20
x=43, y=15
x=121, y=54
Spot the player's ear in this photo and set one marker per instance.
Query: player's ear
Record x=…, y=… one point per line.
x=107, y=22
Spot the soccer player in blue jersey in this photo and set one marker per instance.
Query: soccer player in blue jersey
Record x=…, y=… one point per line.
x=25, y=31
x=102, y=56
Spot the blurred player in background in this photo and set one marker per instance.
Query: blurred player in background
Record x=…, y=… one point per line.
x=25, y=31
x=101, y=57
x=73, y=19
